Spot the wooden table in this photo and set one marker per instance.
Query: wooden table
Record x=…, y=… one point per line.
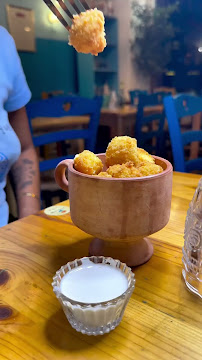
x=122, y=120
x=43, y=124
x=162, y=321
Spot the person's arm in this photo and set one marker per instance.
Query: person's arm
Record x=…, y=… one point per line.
x=25, y=171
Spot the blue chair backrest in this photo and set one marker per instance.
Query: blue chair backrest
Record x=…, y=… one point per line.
x=134, y=96
x=65, y=106
x=176, y=108
x=143, y=120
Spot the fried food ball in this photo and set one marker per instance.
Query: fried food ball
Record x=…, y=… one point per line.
x=88, y=163
x=124, y=171
x=145, y=156
x=120, y=150
x=87, y=33
x=104, y=174
x=150, y=169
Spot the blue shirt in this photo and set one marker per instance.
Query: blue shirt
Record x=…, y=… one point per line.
x=14, y=94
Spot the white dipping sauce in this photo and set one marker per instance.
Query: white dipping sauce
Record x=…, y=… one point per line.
x=93, y=283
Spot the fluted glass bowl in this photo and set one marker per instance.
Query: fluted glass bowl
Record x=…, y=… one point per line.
x=98, y=318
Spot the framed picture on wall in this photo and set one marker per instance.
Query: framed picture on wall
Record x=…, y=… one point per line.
x=22, y=27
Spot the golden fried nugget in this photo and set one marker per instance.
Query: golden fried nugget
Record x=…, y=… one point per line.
x=104, y=174
x=127, y=170
x=88, y=163
x=120, y=150
x=145, y=156
x=150, y=169
x=87, y=33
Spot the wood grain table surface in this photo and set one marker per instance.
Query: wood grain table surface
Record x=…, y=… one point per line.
x=162, y=320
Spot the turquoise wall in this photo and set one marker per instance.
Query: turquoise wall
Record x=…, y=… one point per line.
x=53, y=65
x=43, y=28
x=51, y=68
x=86, y=76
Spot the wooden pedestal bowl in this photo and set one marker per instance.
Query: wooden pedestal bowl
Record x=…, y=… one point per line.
x=119, y=213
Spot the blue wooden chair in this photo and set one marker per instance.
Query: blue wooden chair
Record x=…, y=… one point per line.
x=57, y=107
x=143, y=126
x=134, y=96
x=65, y=106
x=175, y=109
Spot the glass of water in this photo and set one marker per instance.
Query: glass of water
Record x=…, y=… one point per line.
x=192, y=250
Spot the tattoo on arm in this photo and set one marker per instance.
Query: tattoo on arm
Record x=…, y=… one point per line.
x=26, y=183
x=27, y=162
x=23, y=174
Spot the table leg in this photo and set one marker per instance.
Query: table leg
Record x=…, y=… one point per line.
x=80, y=142
x=120, y=130
x=196, y=125
x=114, y=129
x=59, y=149
x=81, y=145
x=47, y=152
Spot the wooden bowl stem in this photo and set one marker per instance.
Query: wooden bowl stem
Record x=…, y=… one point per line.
x=132, y=253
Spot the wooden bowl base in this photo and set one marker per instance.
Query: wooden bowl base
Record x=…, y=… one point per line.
x=133, y=253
